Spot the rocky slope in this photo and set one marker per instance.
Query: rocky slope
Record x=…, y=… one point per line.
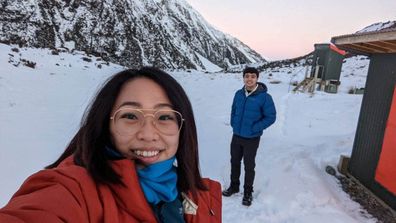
x=166, y=33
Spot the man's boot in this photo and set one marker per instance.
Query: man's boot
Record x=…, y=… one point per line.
x=233, y=189
x=247, y=197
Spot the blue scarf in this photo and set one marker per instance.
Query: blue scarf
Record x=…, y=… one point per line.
x=158, y=181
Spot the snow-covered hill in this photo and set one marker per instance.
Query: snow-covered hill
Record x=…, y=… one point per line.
x=380, y=26
x=165, y=33
x=41, y=108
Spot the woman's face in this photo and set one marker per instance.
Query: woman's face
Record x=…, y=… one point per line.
x=145, y=142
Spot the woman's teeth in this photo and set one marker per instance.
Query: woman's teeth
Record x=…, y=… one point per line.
x=145, y=153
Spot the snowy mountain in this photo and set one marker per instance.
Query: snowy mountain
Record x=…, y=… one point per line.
x=380, y=26
x=166, y=33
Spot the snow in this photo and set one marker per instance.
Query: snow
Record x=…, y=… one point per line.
x=41, y=109
x=377, y=26
x=106, y=28
x=209, y=66
x=70, y=45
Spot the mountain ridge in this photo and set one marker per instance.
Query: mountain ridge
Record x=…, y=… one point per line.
x=169, y=34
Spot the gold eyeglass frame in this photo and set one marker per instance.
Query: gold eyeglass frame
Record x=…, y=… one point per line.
x=152, y=115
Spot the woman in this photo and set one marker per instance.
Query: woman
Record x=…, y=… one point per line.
x=134, y=159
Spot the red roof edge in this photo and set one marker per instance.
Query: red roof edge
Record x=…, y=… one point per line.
x=335, y=49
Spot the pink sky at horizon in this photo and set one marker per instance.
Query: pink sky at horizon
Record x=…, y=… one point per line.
x=284, y=29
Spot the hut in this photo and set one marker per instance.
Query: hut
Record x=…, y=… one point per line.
x=327, y=62
x=325, y=70
x=373, y=158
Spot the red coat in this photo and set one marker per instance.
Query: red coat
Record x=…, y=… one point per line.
x=69, y=194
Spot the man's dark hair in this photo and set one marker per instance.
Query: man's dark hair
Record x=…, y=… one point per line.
x=250, y=70
x=87, y=146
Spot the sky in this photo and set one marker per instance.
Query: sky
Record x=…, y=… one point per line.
x=41, y=109
x=283, y=29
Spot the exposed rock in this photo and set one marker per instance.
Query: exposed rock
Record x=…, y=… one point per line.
x=166, y=33
x=359, y=194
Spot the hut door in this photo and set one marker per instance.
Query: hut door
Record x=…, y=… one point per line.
x=386, y=169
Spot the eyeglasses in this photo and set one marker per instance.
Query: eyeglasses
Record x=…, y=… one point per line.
x=128, y=121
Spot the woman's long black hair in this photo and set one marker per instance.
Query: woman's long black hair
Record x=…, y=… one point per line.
x=88, y=144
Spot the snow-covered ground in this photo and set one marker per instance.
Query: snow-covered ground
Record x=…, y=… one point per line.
x=41, y=108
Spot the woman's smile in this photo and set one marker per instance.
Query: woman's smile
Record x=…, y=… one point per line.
x=146, y=156
x=145, y=153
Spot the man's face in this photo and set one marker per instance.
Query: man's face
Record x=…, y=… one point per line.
x=250, y=80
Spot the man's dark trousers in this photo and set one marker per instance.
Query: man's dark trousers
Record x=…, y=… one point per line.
x=246, y=148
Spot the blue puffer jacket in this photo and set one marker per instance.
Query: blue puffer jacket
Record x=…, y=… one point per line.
x=252, y=114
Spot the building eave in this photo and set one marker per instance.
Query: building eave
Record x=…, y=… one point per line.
x=379, y=42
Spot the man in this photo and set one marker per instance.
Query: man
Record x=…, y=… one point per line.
x=253, y=110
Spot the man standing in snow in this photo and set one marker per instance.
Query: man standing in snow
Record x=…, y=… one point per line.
x=252, y=111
